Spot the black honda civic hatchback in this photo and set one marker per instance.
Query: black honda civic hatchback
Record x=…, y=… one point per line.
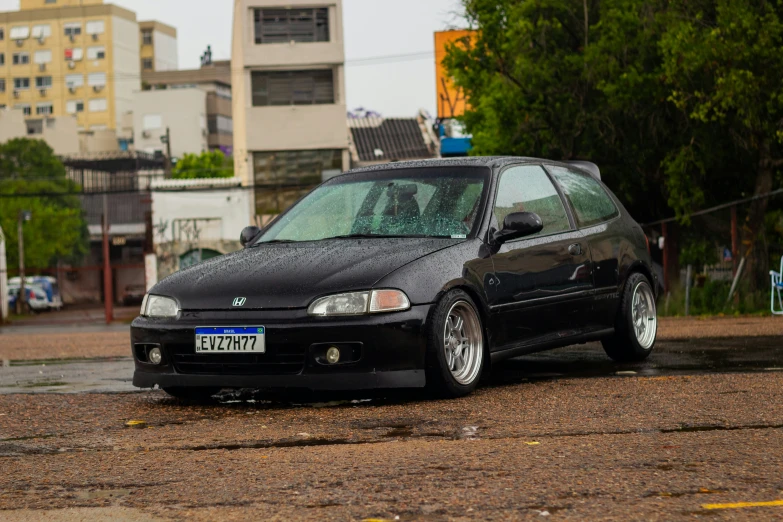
x=407, y=274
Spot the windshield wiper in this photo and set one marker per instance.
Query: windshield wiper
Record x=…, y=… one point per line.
x=364, y=236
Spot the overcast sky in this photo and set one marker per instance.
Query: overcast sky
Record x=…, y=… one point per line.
x=373, y=28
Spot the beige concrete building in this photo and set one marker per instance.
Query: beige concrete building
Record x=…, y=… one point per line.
x=181, y=111
x=214, y=79
x=288, y=89
x=158, y=47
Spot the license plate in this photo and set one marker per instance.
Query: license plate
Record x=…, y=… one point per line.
x=230, y=340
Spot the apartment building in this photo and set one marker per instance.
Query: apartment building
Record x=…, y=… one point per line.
x=157, y=47
x=180, y=111
x=288, y=90
x=78, y=57
x=214, y=78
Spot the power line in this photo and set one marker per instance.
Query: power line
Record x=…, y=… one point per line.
x=716, y=207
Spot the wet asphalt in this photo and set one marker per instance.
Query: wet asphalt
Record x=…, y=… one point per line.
x=694, y=432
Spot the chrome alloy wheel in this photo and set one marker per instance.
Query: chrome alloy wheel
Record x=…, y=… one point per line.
x=645, y=320
x=463, y=343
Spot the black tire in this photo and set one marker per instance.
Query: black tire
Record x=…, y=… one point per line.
x=440, y=379
x=624, y=345
x=192, y=394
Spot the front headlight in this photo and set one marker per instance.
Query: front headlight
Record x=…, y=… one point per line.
x=159, y=306
x=358, y=303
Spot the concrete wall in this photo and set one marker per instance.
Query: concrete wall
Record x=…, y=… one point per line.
x=183, y=111
x=165, y=54
x=297, y=127
x=126, y=66
x=218, y=215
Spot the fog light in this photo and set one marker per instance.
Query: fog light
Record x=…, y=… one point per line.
x=155, y=356
x=333, y=355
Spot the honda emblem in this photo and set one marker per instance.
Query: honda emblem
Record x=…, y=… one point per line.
x=239, y=301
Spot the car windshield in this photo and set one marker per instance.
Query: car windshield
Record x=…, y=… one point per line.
x=424, y=202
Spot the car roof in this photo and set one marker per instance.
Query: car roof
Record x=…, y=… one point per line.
x=470, y=161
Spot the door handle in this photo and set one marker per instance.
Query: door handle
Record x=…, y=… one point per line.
x=575, y=249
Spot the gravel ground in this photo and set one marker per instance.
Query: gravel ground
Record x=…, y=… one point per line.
x=35, y=346
x=615, y=448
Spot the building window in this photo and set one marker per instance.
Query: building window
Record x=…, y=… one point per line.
x=74, y=54
x=281, y=178
x=43, y=82
x=96, y=79
x=152, y=121
x=20, y=32
x=146, y=64
x=2, y=84
x=50, y=1
x=2, y=33
x=291, y=25
x=146, y=37
x=22, y=58
x=46, y=109
x=293, y=87
x=42, y=31
x=98, y=105
x=74, y=106
x=2, y=58
x=42, y=57
x=73, y=29
x=95, y=27
x=21, y=84
x=221, y=125
x=72, y=81
x=96, y=53
x=25, y=108
x=223, y=91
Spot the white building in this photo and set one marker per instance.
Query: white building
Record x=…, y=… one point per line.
x=182, y=111
x=288, y=83
x=192, y=225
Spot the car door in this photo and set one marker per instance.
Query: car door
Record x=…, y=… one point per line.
x=541, y=280
x=595, y=214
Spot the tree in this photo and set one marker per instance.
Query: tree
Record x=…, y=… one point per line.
x=205, y=165
x=723, y=62
x=57, y=229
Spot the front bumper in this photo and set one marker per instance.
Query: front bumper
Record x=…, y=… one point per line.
x=388, y=351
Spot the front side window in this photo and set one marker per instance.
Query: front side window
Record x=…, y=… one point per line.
x=587, y=197
x=433, y=202
x=291, y=25
x=528, y=189
x=293, y=88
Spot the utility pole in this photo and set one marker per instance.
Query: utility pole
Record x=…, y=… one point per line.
x=108, y=298
x=21, y=302
x=167, y=140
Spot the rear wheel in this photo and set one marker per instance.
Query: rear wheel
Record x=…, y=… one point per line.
x=637, y=322
x=455, y=351
x=191, y=394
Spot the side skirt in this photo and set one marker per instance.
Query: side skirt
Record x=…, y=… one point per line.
x=549, y=342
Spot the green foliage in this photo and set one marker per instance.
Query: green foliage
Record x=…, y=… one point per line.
x=710, y=299
x=698, y=253
x=205, y=165
x=57, y=228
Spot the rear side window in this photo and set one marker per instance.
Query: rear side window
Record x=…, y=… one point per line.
x=587, y=197
x=528, y=189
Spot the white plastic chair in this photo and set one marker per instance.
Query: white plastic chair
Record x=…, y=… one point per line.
x=777, y=288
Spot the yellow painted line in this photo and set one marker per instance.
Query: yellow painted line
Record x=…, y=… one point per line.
x=738, y=505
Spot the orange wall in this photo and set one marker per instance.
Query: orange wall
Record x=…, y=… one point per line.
x=451, y=100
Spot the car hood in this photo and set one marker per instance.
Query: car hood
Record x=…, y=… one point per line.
x=291, y=275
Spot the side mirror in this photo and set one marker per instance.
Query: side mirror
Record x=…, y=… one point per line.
x=518, y=224
x=248, y=234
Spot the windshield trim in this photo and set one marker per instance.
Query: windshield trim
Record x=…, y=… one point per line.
x=484, y=171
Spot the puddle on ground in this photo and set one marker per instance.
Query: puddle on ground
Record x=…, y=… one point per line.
x=42, y=384
x=102, y=494
x=694, y=429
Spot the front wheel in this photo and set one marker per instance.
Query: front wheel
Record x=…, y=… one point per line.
x=455, y=348
x=637, y=322
x=191, y=394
